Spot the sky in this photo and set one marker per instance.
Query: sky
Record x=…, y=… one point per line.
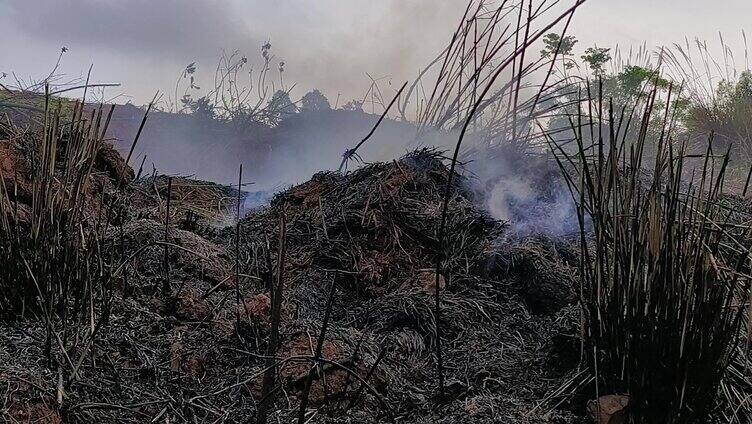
x=332, y=45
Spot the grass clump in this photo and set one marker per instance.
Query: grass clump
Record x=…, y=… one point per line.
x=665, y=264
x=49, y=235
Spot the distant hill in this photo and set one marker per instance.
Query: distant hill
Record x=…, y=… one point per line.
x=299, y=146
x=186, y=144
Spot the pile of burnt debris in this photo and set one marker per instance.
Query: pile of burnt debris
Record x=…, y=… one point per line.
x=326, y=296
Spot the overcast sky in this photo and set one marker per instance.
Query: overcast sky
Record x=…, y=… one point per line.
x=326, y=44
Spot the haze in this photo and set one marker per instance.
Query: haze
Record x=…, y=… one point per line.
x=326, y=44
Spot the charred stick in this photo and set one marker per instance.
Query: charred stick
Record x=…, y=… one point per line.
x=353, y=360
x=375, y=365
x=237, y=250
x=317, y=354
x=166, y=264
x=141, y=168
x=352, y=152
x=271, y=348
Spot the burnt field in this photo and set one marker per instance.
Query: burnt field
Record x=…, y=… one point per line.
x=518, y=235
x=333, y=285
x=357, y=286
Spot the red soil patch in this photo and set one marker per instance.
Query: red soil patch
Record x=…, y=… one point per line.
x=256, y=309
x=328, y=383
x=14, y=171
x=427, y=281
x=374, y=266
x=398, y=177
x=7, y=163
x=37, y=413
x=189, y=306
x=192, y=365
x=307, y=194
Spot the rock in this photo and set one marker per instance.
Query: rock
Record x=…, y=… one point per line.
x=609, y=409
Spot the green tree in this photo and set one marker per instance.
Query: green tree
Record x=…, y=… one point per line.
x=279, y=107
x=596, y=57
x=565, y=46
x=632, y=79
x=726, y=115
x=313, y=101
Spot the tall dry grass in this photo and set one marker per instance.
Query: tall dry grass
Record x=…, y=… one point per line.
x=665, y=264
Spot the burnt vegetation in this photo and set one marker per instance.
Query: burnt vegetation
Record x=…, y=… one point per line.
x=613, y=286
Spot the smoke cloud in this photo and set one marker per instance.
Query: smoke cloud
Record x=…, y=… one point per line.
x=330, y=45
x=527, y=191
x=327, y=44
x=167, y=28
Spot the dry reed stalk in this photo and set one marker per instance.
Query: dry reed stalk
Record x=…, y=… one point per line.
x=267, y=388
x=664, y=268
x=317, y=353
x=480, y=101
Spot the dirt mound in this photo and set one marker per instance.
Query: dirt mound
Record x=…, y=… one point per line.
x=541, y=269
x=17, y=148
x=190, y=256
x=376, y=226
x=110, y=162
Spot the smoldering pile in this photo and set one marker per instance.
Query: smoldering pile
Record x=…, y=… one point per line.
x=372, y=233
x=197, y=354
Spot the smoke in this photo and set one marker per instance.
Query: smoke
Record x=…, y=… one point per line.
x=523, y=189
x=164, y=28
x=311, y=142
x=505, y=194
x=272, y=158
x=533, y=210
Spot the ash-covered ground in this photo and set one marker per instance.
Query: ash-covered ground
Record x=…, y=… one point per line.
x=509, y=326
